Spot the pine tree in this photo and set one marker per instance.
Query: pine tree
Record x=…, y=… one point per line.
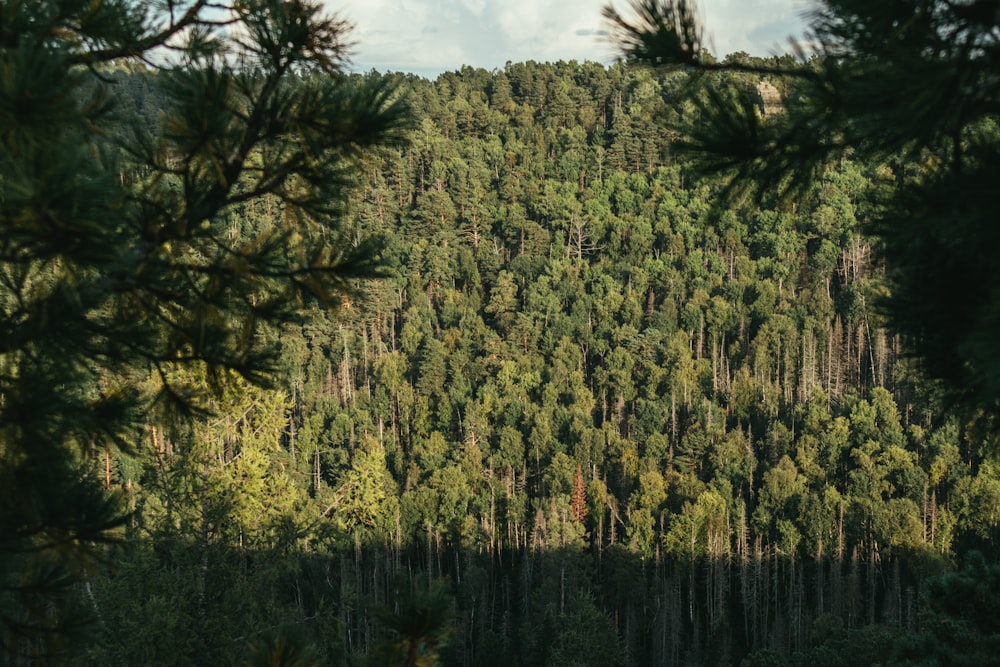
x=907, y=86
x=122, y=289
x=579, y=498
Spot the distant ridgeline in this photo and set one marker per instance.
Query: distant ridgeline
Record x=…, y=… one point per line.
x=623, y=427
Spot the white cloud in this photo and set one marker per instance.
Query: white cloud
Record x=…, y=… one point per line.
x=431, y=36
x=759, y=27
x=474, y=7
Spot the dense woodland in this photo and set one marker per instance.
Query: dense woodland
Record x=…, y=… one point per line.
x=595, y=416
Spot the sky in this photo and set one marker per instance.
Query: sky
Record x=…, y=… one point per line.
x=428, y=37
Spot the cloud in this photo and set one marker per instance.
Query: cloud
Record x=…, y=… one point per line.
x=441, y=35
x=474, y=7
x=760, y=27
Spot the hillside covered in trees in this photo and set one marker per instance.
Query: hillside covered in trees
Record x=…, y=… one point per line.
x=586, y=417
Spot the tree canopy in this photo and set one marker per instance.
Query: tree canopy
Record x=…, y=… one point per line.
x=759, y=467
x=910, y=84
x=594, y=412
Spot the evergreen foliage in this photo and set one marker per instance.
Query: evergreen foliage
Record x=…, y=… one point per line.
x=617, y=421
x=567, y=323
x=909, y=84
x=126, y=285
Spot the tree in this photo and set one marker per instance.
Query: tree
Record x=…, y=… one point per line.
x=906, y=86
x=579, y=496
x=122, y=287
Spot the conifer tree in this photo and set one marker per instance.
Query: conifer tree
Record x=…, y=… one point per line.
x=122, y=287
x=907, y=85
x=579, y=497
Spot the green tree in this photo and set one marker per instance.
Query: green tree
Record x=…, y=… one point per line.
x=123, y=287
x=906, y=85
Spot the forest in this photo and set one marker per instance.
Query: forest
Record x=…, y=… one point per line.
x=300, y=366
x=585, y=416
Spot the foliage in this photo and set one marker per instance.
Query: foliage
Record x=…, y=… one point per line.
x=126, y=285
x=619, y=422
x=280, y=650
x=908, y=85
x=420, y=624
